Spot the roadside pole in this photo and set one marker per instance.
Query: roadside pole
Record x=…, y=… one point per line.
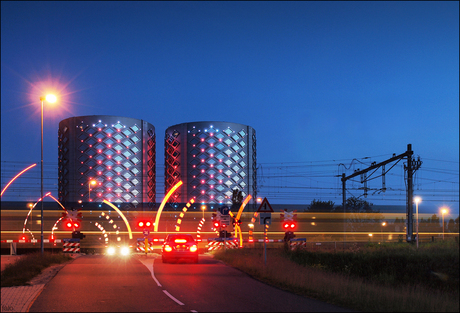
x=265, y=219
x=265, y=243
x=146, y=233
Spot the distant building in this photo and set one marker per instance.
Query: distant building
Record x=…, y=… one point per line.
x=211, y=159
x=118, y=153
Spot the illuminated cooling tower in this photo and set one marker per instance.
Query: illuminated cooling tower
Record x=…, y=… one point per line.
x=118, y=153
x=211, y=159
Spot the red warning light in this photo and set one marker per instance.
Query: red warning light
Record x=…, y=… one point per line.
x=145, y=224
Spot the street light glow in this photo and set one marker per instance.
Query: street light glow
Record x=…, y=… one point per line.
x=51, y=98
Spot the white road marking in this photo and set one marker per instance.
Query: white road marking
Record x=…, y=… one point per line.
x=150, y=268
x=174, y=299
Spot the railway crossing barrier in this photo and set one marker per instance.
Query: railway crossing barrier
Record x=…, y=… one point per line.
x=14, y=243
x=141, y=244
x=298, y=243
x=71, y=245
x=218, y=243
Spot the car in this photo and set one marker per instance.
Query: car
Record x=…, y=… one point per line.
x=179, y=246
x=118, y=250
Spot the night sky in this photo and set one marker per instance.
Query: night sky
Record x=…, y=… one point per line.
x=322, y=83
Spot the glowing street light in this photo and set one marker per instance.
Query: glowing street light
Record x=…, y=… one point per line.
x=381, y=229
x=51, y=99
x=417, y=201
x=443, y=211
x=203, y=207
x=92, y=182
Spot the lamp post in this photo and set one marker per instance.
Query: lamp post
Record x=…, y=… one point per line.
x=443, y=211
x=92, y=182
x=381, y=230
x=417, y=201
x=203, y=207
x=51, y=99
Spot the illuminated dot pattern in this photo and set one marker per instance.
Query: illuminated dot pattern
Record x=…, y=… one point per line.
x=115, y=152
x=212, y=158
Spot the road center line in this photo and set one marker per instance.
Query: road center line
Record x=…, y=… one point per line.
x=151, y=270
x=174, y=299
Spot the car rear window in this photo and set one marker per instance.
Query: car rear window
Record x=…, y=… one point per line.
x=173, y=238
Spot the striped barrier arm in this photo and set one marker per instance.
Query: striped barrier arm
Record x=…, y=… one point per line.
x=71, y=247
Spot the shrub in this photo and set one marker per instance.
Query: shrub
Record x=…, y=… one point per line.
x=435, y=266
x=29, y=266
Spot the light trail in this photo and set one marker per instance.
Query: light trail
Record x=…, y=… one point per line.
x=122, y=216
x=157, y=218
x=181, y=216
x=14, y=178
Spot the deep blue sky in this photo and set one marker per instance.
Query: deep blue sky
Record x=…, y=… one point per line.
x=318, y=81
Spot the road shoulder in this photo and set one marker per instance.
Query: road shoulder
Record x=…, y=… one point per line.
x=20, y=298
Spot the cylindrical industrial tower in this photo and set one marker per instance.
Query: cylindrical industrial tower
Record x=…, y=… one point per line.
x=104, y=157
x=211, y=159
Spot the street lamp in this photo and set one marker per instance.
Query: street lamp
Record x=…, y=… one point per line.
x=92, y=182
x=443, y=211
x=51, y=99
x=381, y=230
x=417, y=201
x=203, y=207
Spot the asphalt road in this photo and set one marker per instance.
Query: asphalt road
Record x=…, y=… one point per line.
x=142, y=284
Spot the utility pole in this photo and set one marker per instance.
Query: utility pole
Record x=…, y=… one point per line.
x=409, y=196
x=411, y=167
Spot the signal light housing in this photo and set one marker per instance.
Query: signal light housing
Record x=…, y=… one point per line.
x=289, y=225
x=144, y=224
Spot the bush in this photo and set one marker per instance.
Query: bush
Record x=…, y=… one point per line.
x=435, y=265
x=29, y=266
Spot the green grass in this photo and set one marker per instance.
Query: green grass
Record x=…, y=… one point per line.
x=358, y=291
x=434, y=266
x=28, y=267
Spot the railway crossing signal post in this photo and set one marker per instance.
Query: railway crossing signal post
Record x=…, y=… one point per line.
x=224, y=222
x=145, y=225
x=265, y=210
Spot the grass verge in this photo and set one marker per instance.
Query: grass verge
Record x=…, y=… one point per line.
x=28, y=267
x=337, y=288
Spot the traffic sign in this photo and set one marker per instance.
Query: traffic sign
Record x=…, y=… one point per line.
x=225, y=220
x=224, y=210
x=265, y=218
x=265, y=206
x=287, y=216
x=146, y=232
